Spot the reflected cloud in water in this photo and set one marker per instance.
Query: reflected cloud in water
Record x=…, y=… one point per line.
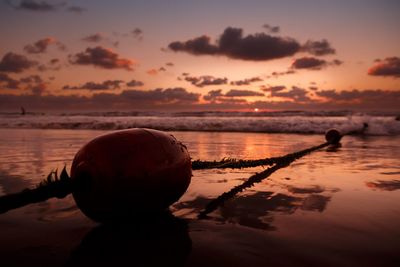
x=257, y=210
x=384, y=185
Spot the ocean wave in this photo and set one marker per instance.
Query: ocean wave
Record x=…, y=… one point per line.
x=377, y=125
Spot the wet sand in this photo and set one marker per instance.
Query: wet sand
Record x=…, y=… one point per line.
x=336, y=207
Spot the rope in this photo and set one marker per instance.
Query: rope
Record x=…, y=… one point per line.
x=52, y=186
x=281, y=162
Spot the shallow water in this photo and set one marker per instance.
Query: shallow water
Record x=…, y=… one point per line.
x=334, y=207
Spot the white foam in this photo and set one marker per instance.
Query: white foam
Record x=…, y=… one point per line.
x=377, y=125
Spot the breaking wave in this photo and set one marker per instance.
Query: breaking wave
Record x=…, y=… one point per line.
x=281, y=122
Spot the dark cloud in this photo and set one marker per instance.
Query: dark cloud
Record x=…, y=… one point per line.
x=282, y=73
x=134, y=83
x=246, y=81
x=54, y=61
x=169, y=98
x=233, y=44
x=313, y=88
x=313, y=63
x=205, y=80
x=295, y=93
x=169, y=64
x=318, y=48
x=43, y=6
x=93, y=86
x=32, y=79
x=12, y=62
x=94, y=38
x=34, y=5
x=366, y=97
x=159, y=95
x=309, y=63
x=33, y=83
x=197, y=46
x=242, y=93
x=274, y=89
x=6, y=82
x=42, y=45
x=180, y=99
x=76, y=9
x=271, y=29
x=103, y=58
x=162, y=69
x=54, y=64
x=213, y=95
x=389, y=67
x=137, y=33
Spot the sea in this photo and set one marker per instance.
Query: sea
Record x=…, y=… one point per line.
x=338, y=206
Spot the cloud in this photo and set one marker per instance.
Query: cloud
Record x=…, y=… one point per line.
x=134, y=83
x=103, y=58
x=313, y=63
x=181, y=99
x=152, y=72
x=246, y=81
x=6, y=82
x=12, y=62
x=274, y=89
x=32, y=79
x=43, y=6
x=282, y=73
x=162, y=69
x=271, y=29
x=242, y=93
x=169, y=64
x=54, y=64
x=137, y=33
x=205, y=80
x=309, y=63
x=76, y=9
x=389, y=67
x=318, y=48
x=213, y=95
x=159, y=95
x=33, y=5
x=93, y=86
x=217, y=95
x=42, y=45
x=33, y=83
x=160, y=98
x=295, y=93
x=94, y=38
x=368, y=98
x=233, y=44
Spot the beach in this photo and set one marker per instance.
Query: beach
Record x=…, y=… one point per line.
x=334, y=207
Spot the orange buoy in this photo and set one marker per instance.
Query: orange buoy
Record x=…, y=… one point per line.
x=128, y=173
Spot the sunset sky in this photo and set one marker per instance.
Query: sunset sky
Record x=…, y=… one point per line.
x=200, y=55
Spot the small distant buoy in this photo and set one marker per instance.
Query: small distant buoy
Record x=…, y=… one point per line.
x=333, y=136
x=128, y=173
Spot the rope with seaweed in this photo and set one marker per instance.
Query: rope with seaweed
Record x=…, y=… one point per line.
x=281, y=162
x=63, y=185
